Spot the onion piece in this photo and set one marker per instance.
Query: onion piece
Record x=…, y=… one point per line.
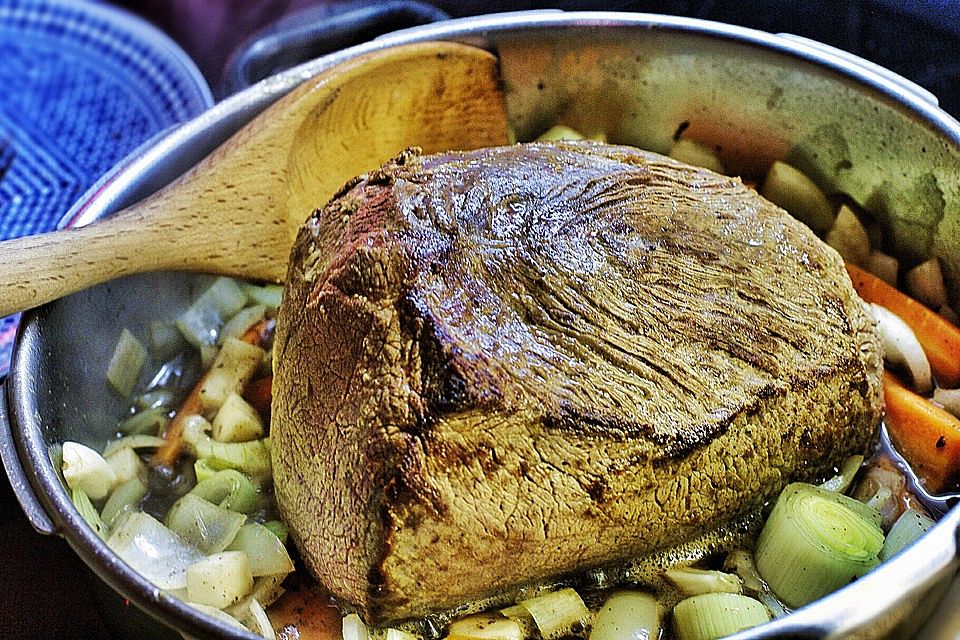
x=696, y=154
x=925, y=282
x=153, y=551
x=695, y=582
x=904, y=532
x=884, y=267
x=486, y=626
x=85, y=469
x=901, y=347
x=627, y=615
x=220, y=579
x=949, y=399
x=849, y=237
x=842, y=481
x=717, y=615
x=353, y=628
x=791, y=189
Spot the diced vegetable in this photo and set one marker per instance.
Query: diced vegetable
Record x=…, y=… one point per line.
x=237, y=421
x=201, y=322
x=697, y=154
x=268, y=295
x=949, y=399
x=203, y=524
x=717, y=615
x=219, y=580
x=815, y=542
x=126, y=464
x=694, y=582
x=842, y=481
x=849, y=237
x=266, y=553
x=85, y=469
x=266, y=590
x=231, y=371
x=560, y=132
x=927, y=436
x=278, y=529
x=124, y=499
x=940, y=339
x=132, y=442
x=485, y=626
x=149, y=422
x=398, y=634
x=217, y=614
x=908, y=527
x=166, y=340
x=627, y=615
x=901, y=349
x=925, y=283
x=242, y=321
x=154, y=398
x=791, y=189
x=126, y=364
x=558, y=613
x=153, y=550
x=883, y=266
x=229, y=489
x=354, y=629
x=89, y=513
x=255, y=618
x=251, y=458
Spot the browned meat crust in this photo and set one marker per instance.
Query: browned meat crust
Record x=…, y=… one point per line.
x=514, y=363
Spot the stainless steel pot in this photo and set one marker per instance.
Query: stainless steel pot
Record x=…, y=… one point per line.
x=856, y=128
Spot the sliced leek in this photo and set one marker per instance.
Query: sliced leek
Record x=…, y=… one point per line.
x=133, y=442
x=266, y=553
x=126, y=363
x=557, y=614
x=201, y=322
x=485, y=626
x=908, y=527
x=149, y=421
x=627, y=615
x=717, y=615
x=268, y=295
x=815, y=542
x=125, y=498
x=242, y=321
x=153, y=550
x=694, y=582
x=842, y=481
x=229, y=489
x=89, y=513
x=203, y=524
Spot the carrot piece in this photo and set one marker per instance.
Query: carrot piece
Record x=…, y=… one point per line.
x=259, y=393
x=939, y=338
x=926, y=435
x=167, y=453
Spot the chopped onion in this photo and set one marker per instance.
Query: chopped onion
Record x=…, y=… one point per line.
x=126, y=364
x=124, y=499
x=849, y=237
x=842, y=481
x=694, y=153
x=627, y=615
x=153, y=550
x=126, y=464
x=486, y=626
x=884, y=267
x=203, y=524
x=815, y=542
x=266, y=553
x=89, y=513
x=557, y=614
x=216, y=614
x=694, y=582
x=560, y=132
x=791, y=189
x=85, y=469
x=901, y=347
x=717, y=615
x=354, y=628
x=904, y=532
x=925, y=282
x=229, y=489
x=220, y=579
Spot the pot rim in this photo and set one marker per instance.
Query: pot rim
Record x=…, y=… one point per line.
x=853, y=605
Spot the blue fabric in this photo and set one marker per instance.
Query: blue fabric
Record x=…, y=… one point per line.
x=81, y=85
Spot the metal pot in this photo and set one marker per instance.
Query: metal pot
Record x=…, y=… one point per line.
x=854, y=127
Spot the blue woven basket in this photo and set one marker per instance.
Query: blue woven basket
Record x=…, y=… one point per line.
x=83, y=85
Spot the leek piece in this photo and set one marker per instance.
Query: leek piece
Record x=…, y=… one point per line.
x=485, y=626
x=219, y=580
x=126, y=363
x=126, y=464
x=694, y=153
x=202, y=470
x=141, y=441
x=237, y=421
x=908, y=527
x=85, y=469
x=203, y=524
x=230, y=372
x=89, y=513
x=842, y=481
x=266, y=553
x=147, y=422
x=153, y=550
x=278, y=529
x=124, y=498
x=353, y=628
x=255, y=618
x=391, y=633
x=201, y=322
x=560, y=132
x=165, y=340
x=695, y=582
x=815, y=542
x=789, y=188
x=241, y=321
x=229, y=489
x=741, y=562
x=627, y=615
x=717, y=615
x=251, y=458
x=214, y=613
x=154, y=398
x=557, y=614
x=849, y=237
x=266, y=590
x=268, y=295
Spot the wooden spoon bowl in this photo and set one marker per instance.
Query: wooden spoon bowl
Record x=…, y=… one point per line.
x=237, y=211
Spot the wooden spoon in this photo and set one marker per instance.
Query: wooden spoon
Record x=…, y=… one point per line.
x=236, y=213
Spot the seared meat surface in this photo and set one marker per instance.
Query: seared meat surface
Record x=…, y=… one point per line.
x=503, y=365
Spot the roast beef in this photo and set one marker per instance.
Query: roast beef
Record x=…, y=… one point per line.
x=503, y=365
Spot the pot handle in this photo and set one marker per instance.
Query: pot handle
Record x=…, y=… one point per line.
x=18, y=479
x=908, y=86
x=317, y=31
